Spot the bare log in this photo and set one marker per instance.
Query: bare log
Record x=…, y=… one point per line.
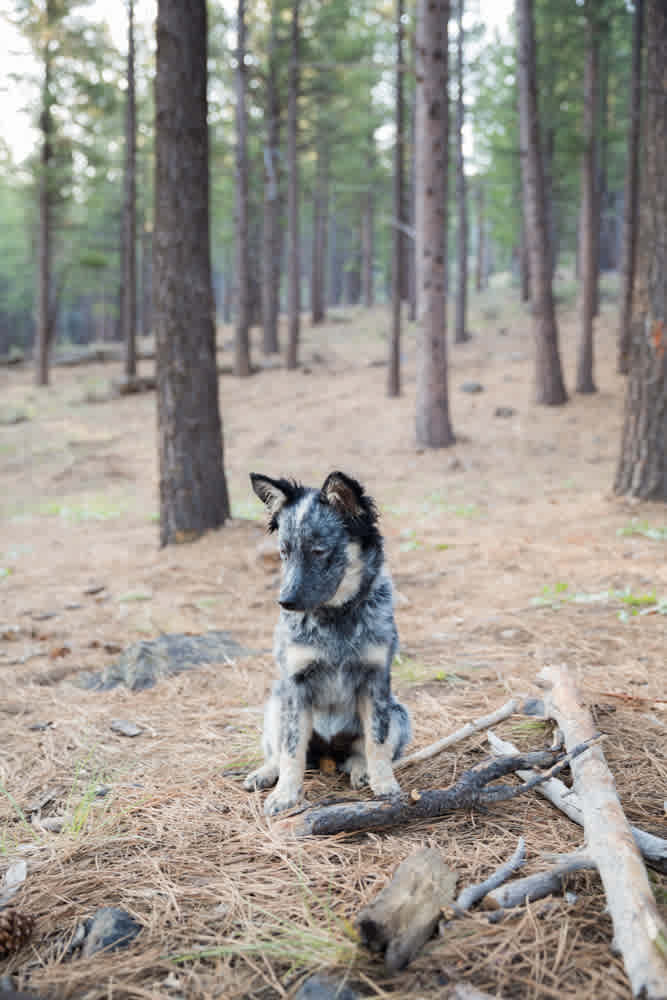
x=509, y=708
x=639, y=932
x=469, y=791
x=532, y=887
x=654, y=849
x=405, y=913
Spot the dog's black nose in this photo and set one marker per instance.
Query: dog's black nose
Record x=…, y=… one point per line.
x=288, y=605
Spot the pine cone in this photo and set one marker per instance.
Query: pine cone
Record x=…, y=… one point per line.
x=15, y=930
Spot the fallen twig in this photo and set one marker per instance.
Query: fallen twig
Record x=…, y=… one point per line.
x=654, y=849
x=509, y=708
x=639, y=932
x=473, y=893
x=469, y=791
x=539, y=885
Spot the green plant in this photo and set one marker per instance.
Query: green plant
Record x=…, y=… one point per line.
x=643, y=528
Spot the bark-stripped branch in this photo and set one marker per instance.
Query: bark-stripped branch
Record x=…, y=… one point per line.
x=509, y=708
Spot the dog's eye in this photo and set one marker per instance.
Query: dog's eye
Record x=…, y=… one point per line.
x=318, y=551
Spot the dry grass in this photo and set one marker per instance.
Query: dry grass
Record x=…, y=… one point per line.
x=229, y=908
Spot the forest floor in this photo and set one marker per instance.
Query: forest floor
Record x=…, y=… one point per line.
x=508, y=552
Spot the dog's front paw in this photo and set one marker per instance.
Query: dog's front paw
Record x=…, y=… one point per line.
x=384, y=785
x=359, y=774
x=281, y=799
x=263, y=777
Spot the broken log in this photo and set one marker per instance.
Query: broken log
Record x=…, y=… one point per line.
x=640, y=935
x=405, y=913
x=353, y=816
x=654, y=849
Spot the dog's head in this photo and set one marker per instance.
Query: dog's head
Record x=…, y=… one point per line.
x=328, y=539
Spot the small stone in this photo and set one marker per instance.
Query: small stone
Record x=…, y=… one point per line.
x=126, y=728
x=52, y=824
x=95, y=588
x=39, y=727
x=73, y=606
x=471, y=387
x=533, y=706
x=504, y=411
x=320, y=987
x=42, y=616
x=109, y=929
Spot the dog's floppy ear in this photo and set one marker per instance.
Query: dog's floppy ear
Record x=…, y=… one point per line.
x=275, y=493
x=345, y=495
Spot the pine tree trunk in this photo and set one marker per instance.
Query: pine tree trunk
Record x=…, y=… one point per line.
x=43, y=332
x=394, y=370
x=129, y=314
x=193, y=490
x=271, y=246
x=524, y=262
x=460, y=333
x=293, y=256
x=368, y=231
x=549, y=150
x=549, y=386
x=479, y=258
x=585, y=382
x=642, y=468
x=412, y=311
x=631, y=195
x=320, y=223
x=242, y=338
x=432, y=143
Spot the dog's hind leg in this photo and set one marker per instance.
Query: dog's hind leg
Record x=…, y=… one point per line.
x=267, y=775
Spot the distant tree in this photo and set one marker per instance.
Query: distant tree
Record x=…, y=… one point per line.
x=368, y=229
x=631, y=194
x=129, y=249
x=480, y=263
x=549, y=385
x=432, y=139
x=642, y=467
x=394, y=371
x=293, y=236
x=320, y=221
x=242, y=338
x=588, y=260
x=460, y=333
x=272, y=248
x=193, y=490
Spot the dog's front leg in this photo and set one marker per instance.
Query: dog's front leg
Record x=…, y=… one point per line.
x=296, y=727
x=374, y=711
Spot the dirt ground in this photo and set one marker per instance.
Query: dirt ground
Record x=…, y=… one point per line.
x=508, y=552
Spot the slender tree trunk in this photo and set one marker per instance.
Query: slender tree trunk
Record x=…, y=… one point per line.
x=293, y=255
x=549, y=153
x=460, y=333
x=412, y=311
x=630, y=208
x=129, y=316
x=585, y=383
x=320, y=223
x=43, y=345
x=524, y=263
x=394, y=370
x=368, y=230
x=193, y=490
x=242, y=366
x=272, y=242
x=479, y=259
x=433, y=423
x=642, y=468
x=549, y=385
x=146, y=294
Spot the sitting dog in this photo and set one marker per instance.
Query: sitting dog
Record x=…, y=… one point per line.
x=334, y=643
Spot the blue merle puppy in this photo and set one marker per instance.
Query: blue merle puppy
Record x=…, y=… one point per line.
x=334, y=643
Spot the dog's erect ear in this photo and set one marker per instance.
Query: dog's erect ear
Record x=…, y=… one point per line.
x=344, y=494
x=275, y=493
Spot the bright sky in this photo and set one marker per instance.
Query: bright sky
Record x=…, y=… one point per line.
x=15, y=95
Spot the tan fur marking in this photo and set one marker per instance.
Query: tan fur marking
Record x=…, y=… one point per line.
x=351, y=581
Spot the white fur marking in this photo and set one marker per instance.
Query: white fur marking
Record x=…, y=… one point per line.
x=303, y=507
x=376, y=655
x=351, y=582
x=298, y=656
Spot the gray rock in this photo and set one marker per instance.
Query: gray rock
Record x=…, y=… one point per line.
x=145, y=663
x=472, y=387
x=109, y=929
x=126, y=728
x=320, y=987
x=504, y=411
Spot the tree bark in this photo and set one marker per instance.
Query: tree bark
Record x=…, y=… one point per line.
x=630, y=208
x=394, y=370
x=549, y=385
x=368, y=231
x=587, y=256
x=320, y=224
x=193, y=490
x=460, y=332
x=272, y=249
x=432, y=140
x=130, y=210
x=642, y=468
x=524, y=261
x=43, y=345
x=293, y=255
x=242, y=338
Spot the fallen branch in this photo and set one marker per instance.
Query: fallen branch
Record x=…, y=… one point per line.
x=468, y=792
x=473, y=893
x=639, y=932
x=654, y=849
x=509, y=708
x=533, y=887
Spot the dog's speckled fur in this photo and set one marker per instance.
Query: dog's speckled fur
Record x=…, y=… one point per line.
x=334, y=642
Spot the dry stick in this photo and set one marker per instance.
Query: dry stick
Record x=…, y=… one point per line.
x=469, y=791
x=473, y=893
x=509, y=708
x=639, y=933
x=654, y=849
x=537, y=886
